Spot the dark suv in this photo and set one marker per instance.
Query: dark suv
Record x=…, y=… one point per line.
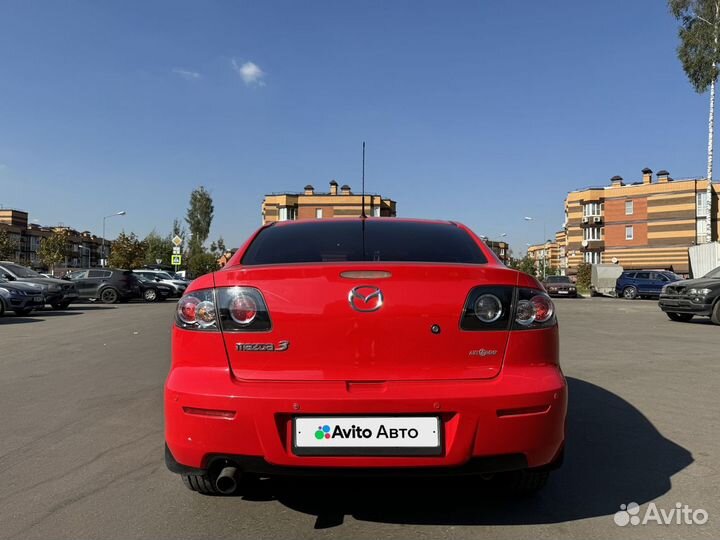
x=58, y=293
x=683, y=300
x=642, y=283
x=109, y=285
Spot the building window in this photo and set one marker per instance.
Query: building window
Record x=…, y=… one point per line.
x=629, y=232
x=376, y=211
x=592, y=257
x=592, y=209
x=318, y=213
x=701, y=204
x=628, y=208
x=700, y=231
x=591, y=233
x=288, y=213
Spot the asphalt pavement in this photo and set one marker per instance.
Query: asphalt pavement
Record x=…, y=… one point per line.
x=81, y=441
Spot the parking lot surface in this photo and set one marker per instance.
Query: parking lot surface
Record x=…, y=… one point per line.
x=81, y=451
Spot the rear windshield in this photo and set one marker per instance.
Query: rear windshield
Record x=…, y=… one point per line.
x=340, y=241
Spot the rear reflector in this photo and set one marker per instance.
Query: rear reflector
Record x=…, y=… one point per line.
x=215, y=413
x=537, y=409
x=365, y=274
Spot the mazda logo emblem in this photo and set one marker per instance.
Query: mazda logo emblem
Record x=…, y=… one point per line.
x=365, y=298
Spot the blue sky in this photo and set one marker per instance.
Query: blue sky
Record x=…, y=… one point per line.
x=482, y=112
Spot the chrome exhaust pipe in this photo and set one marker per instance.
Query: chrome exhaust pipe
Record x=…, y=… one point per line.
x=226, y=483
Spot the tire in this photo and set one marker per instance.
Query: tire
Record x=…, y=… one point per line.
x=527, y=482
x=61, y=305
x=680, y=317
x=150, y=295
x=2, y=308
x=715, y=316
x=109, y=296
x=24, y=312
x=630, y=293
x=199, y=483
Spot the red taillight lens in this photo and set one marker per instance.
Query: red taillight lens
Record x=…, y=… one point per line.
x=243, y=309
x=533, y=310
x=196, y=311
x=543, y=308
x=186, y=309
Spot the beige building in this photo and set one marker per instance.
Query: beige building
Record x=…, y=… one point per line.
x=83, y=249
x=649, y=223
x=311, y=204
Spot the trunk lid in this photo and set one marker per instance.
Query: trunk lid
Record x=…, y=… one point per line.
x=328, y=339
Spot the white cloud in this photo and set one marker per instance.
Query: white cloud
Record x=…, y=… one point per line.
x=186, y=74
x=250, y=72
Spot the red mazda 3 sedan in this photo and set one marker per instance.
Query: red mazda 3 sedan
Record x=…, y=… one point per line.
x=382, y=346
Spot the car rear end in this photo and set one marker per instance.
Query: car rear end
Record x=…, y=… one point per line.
x=363, y=345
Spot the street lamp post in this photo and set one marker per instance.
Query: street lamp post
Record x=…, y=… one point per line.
x=102, y=248
x=544, y=243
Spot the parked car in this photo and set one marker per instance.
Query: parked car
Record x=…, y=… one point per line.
x=108, y=285
x=682, y=300
x=560, y=286
x=20, y=297
x=178, y=285
x=57, y=292
x=335, y=345
x=151, y=290
x=643, y=283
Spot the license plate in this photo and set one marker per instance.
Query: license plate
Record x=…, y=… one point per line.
x=670, y=302
x=367, y=436
x=37, y=298
x=563, y=292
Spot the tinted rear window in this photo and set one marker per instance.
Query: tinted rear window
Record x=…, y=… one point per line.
x=339, y=241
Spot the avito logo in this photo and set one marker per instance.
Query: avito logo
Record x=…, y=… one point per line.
x=358, y=432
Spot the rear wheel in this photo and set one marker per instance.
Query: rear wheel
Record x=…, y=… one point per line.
x=680, y=317
x=715, y=317
x=150, y=295
x=630, y=293
x=109, y=296
x=2, y=308
x=23, y=312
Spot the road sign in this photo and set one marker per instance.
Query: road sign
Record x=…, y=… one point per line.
x=177, y=241
x=176, y=250
x=177, y=260
x=158, y=261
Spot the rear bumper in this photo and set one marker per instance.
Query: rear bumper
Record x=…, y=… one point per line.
x=514, y=421
x=685, y=304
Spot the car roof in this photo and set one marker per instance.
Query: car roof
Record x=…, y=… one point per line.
x=299, y=222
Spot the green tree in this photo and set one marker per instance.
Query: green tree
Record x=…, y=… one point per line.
x=201, y=263
x=699, y=53
x=157, y=248
x=526, y=264
x=8, y=246
x=54, y=249
x=584, y=275
x=127, y=252
x=199, y=216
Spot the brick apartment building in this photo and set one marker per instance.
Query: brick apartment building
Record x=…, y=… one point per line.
x=501, y=249
x=649, y=223
x=336, y=202
x=83, y=251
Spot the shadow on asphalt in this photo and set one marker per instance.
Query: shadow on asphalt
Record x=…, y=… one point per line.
x=42, y=314
x=614, y=456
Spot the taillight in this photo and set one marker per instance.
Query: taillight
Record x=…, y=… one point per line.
x=232, y=309
x=533, y=310
x=506, y=308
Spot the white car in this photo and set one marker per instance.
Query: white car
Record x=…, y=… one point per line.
x=178, y=285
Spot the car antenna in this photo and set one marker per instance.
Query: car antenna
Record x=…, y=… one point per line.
x=363, y=215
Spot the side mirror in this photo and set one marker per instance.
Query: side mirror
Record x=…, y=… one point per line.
x=9, y=277
x=157, y=279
